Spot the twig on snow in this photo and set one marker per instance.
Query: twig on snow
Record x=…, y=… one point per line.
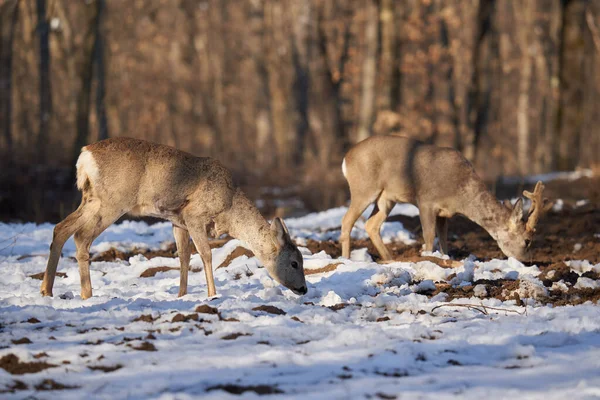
x=481, y=308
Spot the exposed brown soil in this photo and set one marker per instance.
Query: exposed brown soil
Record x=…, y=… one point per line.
x=22, y=340
x=239, y=389
x=40, y=276
x=169, y=251
x=51, y=384
x=330, y=247
x=11, y=364
x=150, y=272
x=269, y=309
x=235, y=335
x=559, y=236
x=105, y=368
x=145, y=346
x=238, y=252
x=327, y=268
x=206, y=309
x=114, y=254
x=500, y=289
x=185, y=318
x=145, y=318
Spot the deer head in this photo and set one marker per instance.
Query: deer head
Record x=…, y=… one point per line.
x=285, y=263
x=517, y=238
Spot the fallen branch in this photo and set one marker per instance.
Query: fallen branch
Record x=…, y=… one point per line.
x=481, y=308
x=440, y=262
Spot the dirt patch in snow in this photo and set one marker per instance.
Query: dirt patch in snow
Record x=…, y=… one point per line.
x=145, y=346
x=237, y=252
x=169, y=251
x=51, y=384
x=269, y=309
x=235, y=335
x=150, y=272
x=327, y=268
x=11, y=364
x=22, y=340
x=329, y=247
x=40, y=276
x=564, y=235
x=105, y=368
x=240, y=389
x=206, y=309
x=573, y=296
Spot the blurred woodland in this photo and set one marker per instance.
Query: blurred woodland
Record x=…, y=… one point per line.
x=278, y=90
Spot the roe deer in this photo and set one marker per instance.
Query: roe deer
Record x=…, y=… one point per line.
x=122, y=175
x=388, y=169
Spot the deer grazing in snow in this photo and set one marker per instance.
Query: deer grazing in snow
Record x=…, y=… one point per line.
x=122, y=175
x=388, y=169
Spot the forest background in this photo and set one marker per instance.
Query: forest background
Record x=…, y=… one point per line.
x=278, y=90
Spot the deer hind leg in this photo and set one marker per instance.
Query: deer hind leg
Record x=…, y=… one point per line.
x=358, y=204
x=200, y=239
x=428, y=217
x=441, y=227
x=84, y=238
x=373, y=225
x=182, y=240
x=62, y=232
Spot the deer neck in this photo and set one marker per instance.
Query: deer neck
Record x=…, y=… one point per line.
x=482, y=207
x=243, y=221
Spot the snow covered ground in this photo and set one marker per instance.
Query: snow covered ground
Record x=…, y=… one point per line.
x=364, y=330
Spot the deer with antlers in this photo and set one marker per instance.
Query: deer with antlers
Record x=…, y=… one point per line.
x=386, y=170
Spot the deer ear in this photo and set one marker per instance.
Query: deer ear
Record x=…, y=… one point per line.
x=517, y=211
x=279, y=232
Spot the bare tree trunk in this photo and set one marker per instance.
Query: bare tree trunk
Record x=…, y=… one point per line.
x=45, y=90
x=86, y=75
x=572, y=84
x=590, y=138
x=388, y=67
x=369, y=71
x=6, y=60
x=100, y=74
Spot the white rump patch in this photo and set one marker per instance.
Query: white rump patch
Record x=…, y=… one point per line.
x=344, y=168
x=87, y=168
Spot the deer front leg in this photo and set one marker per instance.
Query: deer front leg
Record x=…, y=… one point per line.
x=441, y=227
x=428, y=217
x=182, y=240
x=200, y=238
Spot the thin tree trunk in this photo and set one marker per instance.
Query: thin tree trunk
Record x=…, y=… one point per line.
x=523, y=154
x=100, y=74
x=388, y=61
x=6, y=59
x=367, y=103
x=45, y=90
x=84, y=95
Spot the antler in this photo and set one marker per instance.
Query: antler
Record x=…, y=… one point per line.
x=539, y=206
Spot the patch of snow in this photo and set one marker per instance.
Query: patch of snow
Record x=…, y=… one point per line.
x=480, y=290
x=552, y=176
x=361, y=255
x=586, y=283
x=560, y=286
